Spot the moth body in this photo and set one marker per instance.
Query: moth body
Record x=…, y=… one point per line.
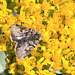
x=26, y=40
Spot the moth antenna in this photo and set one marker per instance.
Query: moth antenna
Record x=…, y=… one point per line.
x=40, y=29
x=34, y=27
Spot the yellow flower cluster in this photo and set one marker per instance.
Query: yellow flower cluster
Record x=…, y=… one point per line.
x=55, y=19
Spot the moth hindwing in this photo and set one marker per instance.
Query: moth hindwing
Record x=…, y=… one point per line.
x=26, y=39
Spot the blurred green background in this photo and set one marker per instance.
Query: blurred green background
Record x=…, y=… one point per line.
x=3, y=70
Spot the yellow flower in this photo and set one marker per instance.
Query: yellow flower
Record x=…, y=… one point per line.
x=47, y=54
x=43, y=48
x=71, y=70
x=66, y=51
x=46, y=36
x=65, y=63
x=45, y=5
x=57, y=60
x=71, y=44
x=54, y=19
x=3, y=46
x=12, y=68
x=3, y=6
x=35, y=53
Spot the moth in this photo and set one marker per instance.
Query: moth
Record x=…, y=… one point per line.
x=26, y=40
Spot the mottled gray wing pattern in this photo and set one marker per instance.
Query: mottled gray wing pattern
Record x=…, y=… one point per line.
x=26, y=40
x=23, y=49
x=18, y=32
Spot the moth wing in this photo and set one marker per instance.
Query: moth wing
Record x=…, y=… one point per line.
x=18, y=32
x=24, y=49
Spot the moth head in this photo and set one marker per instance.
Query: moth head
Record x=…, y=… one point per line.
x=36, y=36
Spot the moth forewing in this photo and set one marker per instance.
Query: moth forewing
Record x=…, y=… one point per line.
x=26, y=40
